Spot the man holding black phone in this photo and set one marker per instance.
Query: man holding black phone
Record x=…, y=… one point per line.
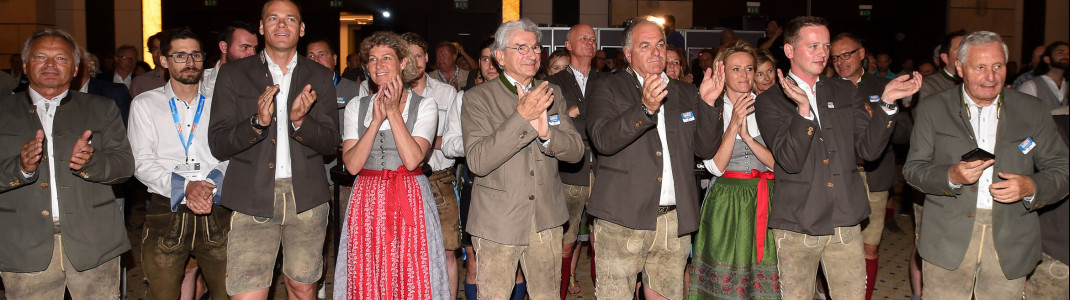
x=979, y=234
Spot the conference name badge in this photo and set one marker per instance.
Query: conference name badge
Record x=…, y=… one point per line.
x=688, y=116
x=1027, y=145
x=341, y=100
x=554, y=119
x=831, y=105
x=874, y=98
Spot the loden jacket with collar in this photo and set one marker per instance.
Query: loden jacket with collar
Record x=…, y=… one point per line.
x=628, y=185
x=91, y=223
x=251, y=173
x=942, y=134
x=818, y=185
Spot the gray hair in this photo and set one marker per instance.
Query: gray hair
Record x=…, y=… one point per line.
x=977, y=38
x=506, y=30
x=54, y=33
x=628, y=32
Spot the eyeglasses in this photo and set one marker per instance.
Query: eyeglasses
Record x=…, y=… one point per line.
x=524, y=49
x=844, y=56
x=181, y=57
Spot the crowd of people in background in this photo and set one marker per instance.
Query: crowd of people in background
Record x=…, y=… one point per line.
x=509, y=163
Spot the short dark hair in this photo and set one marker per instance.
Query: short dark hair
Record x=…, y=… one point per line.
x=945, y=44
x=1044, y=67
x=792, y=29
x=330, y=45
x=176, y=34
x=415, y=39
x=148, y=43
x=848, y=36
x=449, y=46
x=227, y=35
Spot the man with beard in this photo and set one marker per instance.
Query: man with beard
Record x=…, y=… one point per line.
x=60, y=151
x=237, y=41
x=1050, y=87
x=183, y=216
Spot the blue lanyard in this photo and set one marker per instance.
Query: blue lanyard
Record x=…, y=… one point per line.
x=335, y=80
x=178, y=123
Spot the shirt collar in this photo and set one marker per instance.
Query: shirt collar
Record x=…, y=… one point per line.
x=577, y=72
x=169, y=92
x=514, y=82
x=37, y=98
x=805, y=86
x=641, y=79
x=974, y=103
x=289, y=65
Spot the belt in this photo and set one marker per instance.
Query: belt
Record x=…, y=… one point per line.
x=762, y=207
x=55, y=227
x=664, y=209
x=448, y=172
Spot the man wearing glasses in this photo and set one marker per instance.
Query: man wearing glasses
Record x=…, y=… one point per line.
x=169, y=138
x=125, y=61
x=515, y=131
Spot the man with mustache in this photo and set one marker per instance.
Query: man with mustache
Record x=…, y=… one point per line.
x=60, y=152
x=980, y=234
x=168, y=135
x=274, y=118
x=1052, y=86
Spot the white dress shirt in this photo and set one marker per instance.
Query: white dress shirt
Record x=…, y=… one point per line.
x=984, y=121
x=154, y=138
x=283, y=167
x=752, y=128
x=46, y=112
x=581, y=79
x=425, y=125
x=442, y=95
x=119, y=79
x=668, y=184
x=811, y=94
x=208, y=80
x=452, y=142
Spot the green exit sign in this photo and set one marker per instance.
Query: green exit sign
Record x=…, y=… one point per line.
x=336, y=3
x=211, y=2
x=460, y=4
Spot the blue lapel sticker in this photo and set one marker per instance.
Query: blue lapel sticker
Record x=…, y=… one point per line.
x=688, y=116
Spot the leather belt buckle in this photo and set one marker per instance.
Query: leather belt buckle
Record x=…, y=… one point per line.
x=666, y=209
x=55, y=227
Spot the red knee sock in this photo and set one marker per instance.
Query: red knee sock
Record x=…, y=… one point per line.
x=871, y=276
x=566, y=272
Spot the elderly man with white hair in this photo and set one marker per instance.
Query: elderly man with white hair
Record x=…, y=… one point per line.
x=516, y=129
x=986, y=162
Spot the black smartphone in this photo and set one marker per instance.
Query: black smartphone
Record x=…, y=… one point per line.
x=978, y=154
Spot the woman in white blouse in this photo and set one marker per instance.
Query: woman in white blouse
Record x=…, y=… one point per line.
x=391, y=246
x=734, y=255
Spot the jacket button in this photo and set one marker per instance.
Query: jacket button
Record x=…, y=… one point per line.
x=252, y=141
x=531, y=197
x=299, y=138
x=830, y=185
x=532, y=172
x=272, y=141
x=826, y=161
x=45, y=213
x=949, y=194
x=44, y=158
x=31, y=111
x=523, y=133
x=659, y=179
x=44, y=185
x=637, y=124
x=380, y=134
x=810, y=130
x=551, y=153
x=889, y=124
x=655, y=130
x=658, y=153
x=271, y=165
x=84, y=175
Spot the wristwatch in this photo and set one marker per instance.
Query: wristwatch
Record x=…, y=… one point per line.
x=256, y=123
x=648, y=113
x=886, y=105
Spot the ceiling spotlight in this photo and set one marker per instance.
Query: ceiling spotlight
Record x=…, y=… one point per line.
x=386, y=14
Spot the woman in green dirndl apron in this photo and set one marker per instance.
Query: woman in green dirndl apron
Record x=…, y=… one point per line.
x=734, y=254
